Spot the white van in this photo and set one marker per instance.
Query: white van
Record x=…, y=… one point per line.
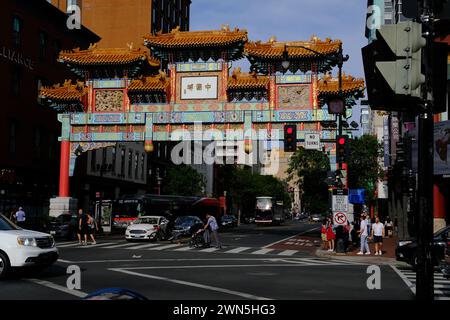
x=23, y=248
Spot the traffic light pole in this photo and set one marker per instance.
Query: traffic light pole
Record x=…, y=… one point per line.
x=424, y=275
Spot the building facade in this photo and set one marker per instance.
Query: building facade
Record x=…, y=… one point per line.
x=120, y=22
x=33, y=34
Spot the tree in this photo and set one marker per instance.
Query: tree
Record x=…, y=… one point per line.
x=364, y=171
x=246, y=186
x=184, y=181
x=308, y=169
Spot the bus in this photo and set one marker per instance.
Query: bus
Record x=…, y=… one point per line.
x=128, y=208
x=268, y=211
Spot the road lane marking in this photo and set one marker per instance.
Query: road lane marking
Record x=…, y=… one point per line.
x=68, y=245
x=288, y=253
x=76, y=293
x=195, y=285
x=97, y=245
x=209, y=250
x=120, y=245
x=282, y=240
x=237, y=250
x=408, y=283
x=64, y=261
x=262, y=251
x=143, y=246
x=165, y=247
x=186, y=248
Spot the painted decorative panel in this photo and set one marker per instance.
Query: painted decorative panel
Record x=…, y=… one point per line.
x=306, y=78
x=109, y=100
x=109, y=84
x=198, y=67
x=295, y=97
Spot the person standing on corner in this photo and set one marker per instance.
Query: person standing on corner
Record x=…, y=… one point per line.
x=213, y=226
x=83, y=227
x=92, y=227
x=377, y=235
x=364, y=234
x=20, y=217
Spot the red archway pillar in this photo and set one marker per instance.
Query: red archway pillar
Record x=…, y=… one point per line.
x=64, y=169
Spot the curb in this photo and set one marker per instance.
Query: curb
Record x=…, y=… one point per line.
x=364, y=259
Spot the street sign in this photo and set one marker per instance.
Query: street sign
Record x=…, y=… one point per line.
x=340, y=218
x=340, y=200
x=312, y=141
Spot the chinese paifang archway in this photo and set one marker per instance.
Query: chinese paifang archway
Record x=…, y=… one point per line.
x=122, y=95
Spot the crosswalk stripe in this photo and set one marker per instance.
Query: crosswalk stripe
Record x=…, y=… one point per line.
x=288, y=253
x=209, y=250
x=237, y=250
x=120, y=246
x=67, y=245
x=143, y=246
x=262, y=251
x=97, y=245
x=186, y=248
x=441, y=285
x=164, y=247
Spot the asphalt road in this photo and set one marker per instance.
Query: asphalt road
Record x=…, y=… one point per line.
x=245, y=268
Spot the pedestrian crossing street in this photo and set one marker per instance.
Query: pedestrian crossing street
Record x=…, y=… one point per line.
x=441, y=284
x=163, y=246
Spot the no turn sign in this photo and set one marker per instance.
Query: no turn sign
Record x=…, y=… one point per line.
x=340, y=218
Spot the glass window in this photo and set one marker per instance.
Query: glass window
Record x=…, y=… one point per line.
x=122, y=162
x=136, y=166
x=130, y=163
x=15, y=81
x=42, y=44
x=93, y=160
x=113, y=155
x=143, y=166
x=17, y=31
x=13, y=137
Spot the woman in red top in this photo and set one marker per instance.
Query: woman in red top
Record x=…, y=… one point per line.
x=324, y=235
x=330, y=236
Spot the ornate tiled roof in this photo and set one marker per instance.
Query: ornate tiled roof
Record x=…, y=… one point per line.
x=106, y=56
x=242, y=81
x=350, y=85
x=177, y=39
x=152, y=83
x=66, y=92
x=274, y=50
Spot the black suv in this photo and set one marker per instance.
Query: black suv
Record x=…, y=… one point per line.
x=407, y=249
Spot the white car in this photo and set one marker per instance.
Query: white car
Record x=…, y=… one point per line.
x=23, y=248
x=147, y=228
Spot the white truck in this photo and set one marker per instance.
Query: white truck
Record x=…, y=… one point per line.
x=24, y=248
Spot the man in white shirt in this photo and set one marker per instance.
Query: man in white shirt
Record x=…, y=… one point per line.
x=364, y=234
x=377, y=235
x=20, y=217
x=213, y=227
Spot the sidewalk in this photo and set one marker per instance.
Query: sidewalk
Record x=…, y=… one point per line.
x=388, y=257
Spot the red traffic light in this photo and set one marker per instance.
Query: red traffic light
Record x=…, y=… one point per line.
x=289, y=130
x=341, y=141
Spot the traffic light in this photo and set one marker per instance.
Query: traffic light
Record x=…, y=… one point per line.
x=290, y=138
x=393, y=66
x=342, y=148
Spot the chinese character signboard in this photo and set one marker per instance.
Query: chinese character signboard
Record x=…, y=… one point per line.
x=199, y=88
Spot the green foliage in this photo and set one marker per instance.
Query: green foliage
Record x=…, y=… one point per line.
x=308, y=169
x=246, y=186
x=184, y=181
x=363, y=168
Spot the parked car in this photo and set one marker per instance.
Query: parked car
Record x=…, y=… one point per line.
x=228, y=221
x=24, y=248
x=186, y=226
x=315, y=218
x=64, y=226
x=147, y=228
x=407, y=249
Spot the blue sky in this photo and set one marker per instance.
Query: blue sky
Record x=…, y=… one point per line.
x=290, y=20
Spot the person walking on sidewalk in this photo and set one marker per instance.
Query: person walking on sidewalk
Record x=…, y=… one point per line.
x=92, y=228
x=83, y=227
x=378, y=235
x=330, y=235
x=363, y=234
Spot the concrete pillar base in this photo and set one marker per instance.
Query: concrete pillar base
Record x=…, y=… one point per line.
x=62, y=205
x=439, y=223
